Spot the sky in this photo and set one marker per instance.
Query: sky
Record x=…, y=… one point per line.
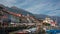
x=47, y=7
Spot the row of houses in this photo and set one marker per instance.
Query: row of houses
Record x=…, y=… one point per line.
x=11, y=17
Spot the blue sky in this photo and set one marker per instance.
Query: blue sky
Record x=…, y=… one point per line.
x=48, y=7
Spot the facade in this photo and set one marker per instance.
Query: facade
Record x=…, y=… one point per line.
x=49, y=21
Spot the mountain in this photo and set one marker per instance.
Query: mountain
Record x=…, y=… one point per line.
x=17, y=10
x=2, y=5
x=24, y=12
x=42, y=16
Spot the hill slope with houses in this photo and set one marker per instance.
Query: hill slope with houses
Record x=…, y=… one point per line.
x=24, y=12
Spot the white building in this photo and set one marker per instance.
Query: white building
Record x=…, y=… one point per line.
x=49, y=21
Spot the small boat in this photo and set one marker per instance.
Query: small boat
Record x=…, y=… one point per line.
x=53, y=31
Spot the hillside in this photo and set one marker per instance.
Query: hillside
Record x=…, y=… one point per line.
x=24, y=12
x=42, y=16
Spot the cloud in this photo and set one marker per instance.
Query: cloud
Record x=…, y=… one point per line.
x=54, y=13
x=28, y=3
x=7, y=2
x=47, y=7
x=36, y=8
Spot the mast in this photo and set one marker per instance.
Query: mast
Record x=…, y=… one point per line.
x=56, y=21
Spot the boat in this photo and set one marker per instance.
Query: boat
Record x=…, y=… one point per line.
x=53, y=31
